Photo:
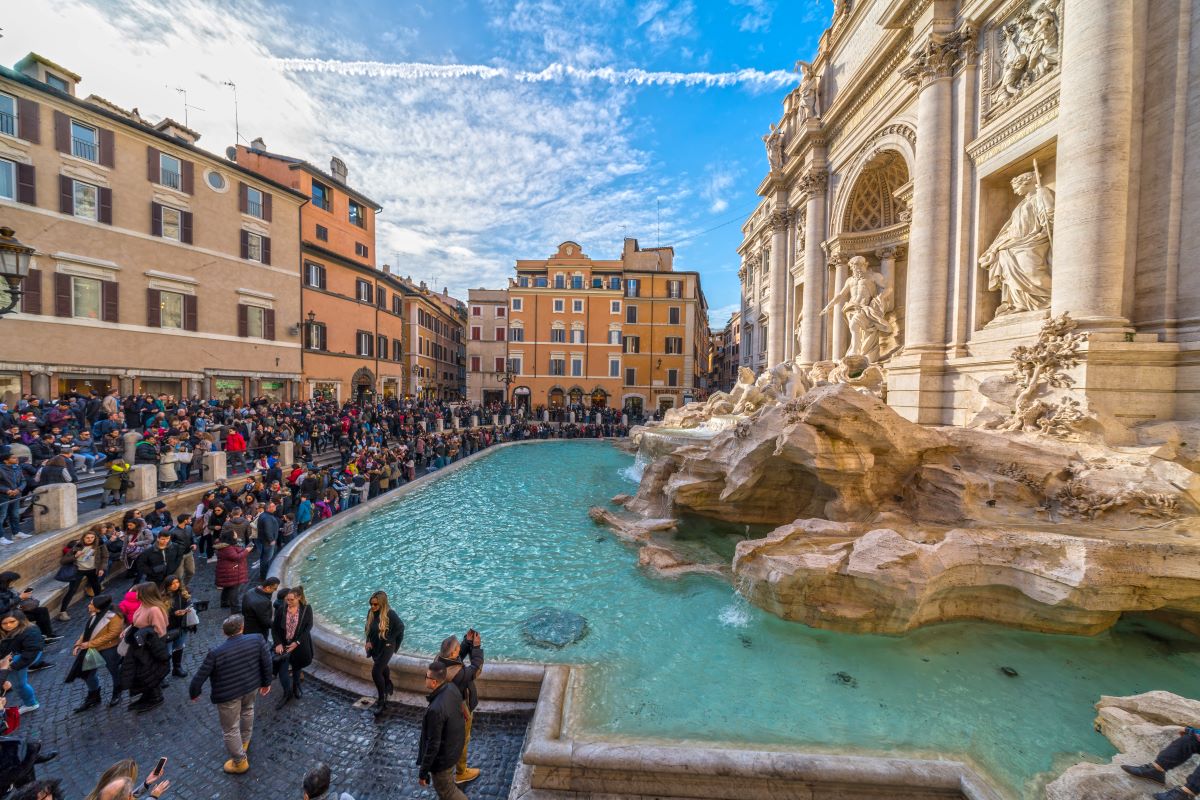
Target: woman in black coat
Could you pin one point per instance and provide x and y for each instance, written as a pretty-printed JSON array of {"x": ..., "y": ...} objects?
[
  {"x": 291, "y": 631},
  {"x": 384, "y": 634},
  {"x": 144, "y": 667}
]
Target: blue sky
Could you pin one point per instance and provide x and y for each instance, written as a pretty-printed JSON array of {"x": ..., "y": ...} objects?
[{"x": 474, "y": 171}]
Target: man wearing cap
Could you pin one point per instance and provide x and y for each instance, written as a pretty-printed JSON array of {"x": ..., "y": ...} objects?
[{"x": 159, "y": 519}]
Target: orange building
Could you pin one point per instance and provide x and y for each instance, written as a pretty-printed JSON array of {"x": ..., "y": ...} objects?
[
  {"x": 436, "y": 361},
  {"x": 353, "y": 312},
  {"x": 629, "y": 332}
]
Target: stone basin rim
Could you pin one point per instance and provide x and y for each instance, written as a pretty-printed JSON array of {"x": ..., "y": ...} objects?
[{"x": 554, "y": 761}]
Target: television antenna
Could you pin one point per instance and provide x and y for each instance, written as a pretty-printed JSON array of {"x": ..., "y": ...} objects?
[
  {"x": 237, "y": 131},
  {"x": 186, "y": 105}
]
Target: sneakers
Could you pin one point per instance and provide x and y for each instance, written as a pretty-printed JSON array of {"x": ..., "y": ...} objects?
[
  {"x": 24, "y": 535},
  {"x": 53, "y": 639},
  {"x": 29, "y": 709},
  {"x": 1173, "y": 794},
  {"x": 5, "y": 540},
  {"x": 212, "y": 560},
  {"x": 63, "y": 617},
  {"x": 41, "y": 665},
  {"x": 237, "y": 767},
  {"x": 1147, "y": 771},
  {"x": 467, "y": 775}
]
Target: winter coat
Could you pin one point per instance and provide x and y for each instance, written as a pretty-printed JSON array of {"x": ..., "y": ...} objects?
[
  {"x": 118, "y": 476},
  {"x": 443, "y": 732},
  {"x": 24, "y": 647},
  {"x": 462, "y": 674},
  {"x": 302, "y": 656},
  {"x": 395, "y": 634},
  {"x": 236, "y": 667},
  {"x": 106, "y": 634},
  {"x": 256, "y": 609},
  {"x": 147, "y": 661},
  {"x": 233, "y": 568},
  {"x": 155, "y": 564},
  {"x": 129, "y": 604}
]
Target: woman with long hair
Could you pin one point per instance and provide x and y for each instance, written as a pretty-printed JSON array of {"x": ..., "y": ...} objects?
[
  {"x": 179, "y": 602},
  {"x": 90, "y": 557},
  {"x": 147, "y": 658},
  {"x": 384, "y": 634},
  {"x": 128, "y": 768},
  {"x": 292, "y": 633},
  {"x": 21, "y": 644},
  {"x": 102, "y": 633}
]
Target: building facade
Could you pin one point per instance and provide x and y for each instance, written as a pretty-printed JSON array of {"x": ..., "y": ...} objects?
[
  {"x": 628, "y": 332},
  {"x": 728, "y": 357},
  {"x": 353, "y": 324},
  {"x": 487, "y": 346},
  {"x": 437, "y": 347},
  {"x": 951, "y": 173},
  {"x": 158, "y": 267}
]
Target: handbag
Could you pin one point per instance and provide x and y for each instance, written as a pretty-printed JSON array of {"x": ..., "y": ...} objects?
[
  {"x": 123, "y": 645},
  {"x": 92, "y": 659},
  {"x": 66, "y": 573},
  {"x": 191, "y": 619}
]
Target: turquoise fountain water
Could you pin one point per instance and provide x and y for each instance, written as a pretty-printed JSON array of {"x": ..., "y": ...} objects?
[{"x": 492, "y": 543}]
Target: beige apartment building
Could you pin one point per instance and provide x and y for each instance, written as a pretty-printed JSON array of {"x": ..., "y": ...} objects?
[
  {"x": 436, "y": 353},
  {"x": 487, "y": 346},
  {"x": 159, "y": 267}
]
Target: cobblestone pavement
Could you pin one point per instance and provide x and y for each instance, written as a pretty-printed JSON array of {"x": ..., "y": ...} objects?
[{"x": 371, "y": 760}]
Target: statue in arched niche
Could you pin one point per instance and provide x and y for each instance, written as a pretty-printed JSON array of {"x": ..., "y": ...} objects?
[{"x": 1018, "y": 262}]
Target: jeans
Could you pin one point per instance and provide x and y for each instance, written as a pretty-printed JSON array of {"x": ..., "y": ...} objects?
[
  {"x": 88, "y": 460},
  {"x": 289, "y": 675},
  {"x": 178, "y": 643},
  {"x": 113, "y": 662},
  {"x": 231, "y": 597},
  {"x": 266, "y": 554},
  {"x": 380, "y": 672},
  {"x": 10, "y": 514},
  {"x": 1172, "y": 756},
  {"x": 20, "y": 681},
  {"x": 443, "y": 784},
  {"x": 93, "y": 582},
  {"x": 238, "y": 457},
  {"x": 237, "y": 723}
]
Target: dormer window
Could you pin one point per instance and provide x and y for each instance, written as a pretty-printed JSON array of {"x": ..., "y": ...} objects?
[
  {"x": 85, "y": 141},
  {"x": 56, "y": 82}
]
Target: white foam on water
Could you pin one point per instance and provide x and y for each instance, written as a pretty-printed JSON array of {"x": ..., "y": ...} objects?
[{"x": 734, "y": 616}]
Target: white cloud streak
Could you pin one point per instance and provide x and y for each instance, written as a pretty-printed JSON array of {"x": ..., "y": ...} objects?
[{"x": 414, "y": 71}]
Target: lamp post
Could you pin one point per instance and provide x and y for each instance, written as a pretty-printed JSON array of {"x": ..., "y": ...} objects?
[
  {"x": 508, "y": 378},
  {"x": 14, "y": 268}
]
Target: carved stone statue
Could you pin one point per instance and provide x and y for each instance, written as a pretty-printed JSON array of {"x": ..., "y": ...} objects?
[
  {"x": 859, "y": 372},
  {"x": 810, "y": 90},
  {"x": 774, "y": 142},
  {"x": 818, "y": 373},
  {"x": 1018, "y": 260},
  {"x": 868, "y": 307},
  {"x": 1028, "y": 51}
]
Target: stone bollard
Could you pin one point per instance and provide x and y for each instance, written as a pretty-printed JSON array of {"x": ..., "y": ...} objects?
[
  {"x": 60, "y": 507},
  {"x": 571, "y": 416},
  {"x": 474, "y": 421},
  {"x": 507, "y": 419},
  {"x": 131, "y": 439},
  {"x": 441, "y": 425},
  {"x": 454, "y": 423},
  {"x": 20, "y": 451},
  {"x": 624, "y": 419},
  {"x": 145, "y": 482},
  {"x": 214, "y": 466},
  {"x": 495, "y": 420},
  {"x": 424, "y": 426},
  {"x": 545, "y": 416},
  {"x": 596, "y": 416},
  {"x": 287, "y": 453}
]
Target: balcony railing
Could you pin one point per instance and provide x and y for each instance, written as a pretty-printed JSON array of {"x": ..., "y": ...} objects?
[
  {"x": 171, "y": 178},
  {"x": 8, "y": 123},
  {"x": 82, "y": 148},
  {"x": 254, "y": 208}
]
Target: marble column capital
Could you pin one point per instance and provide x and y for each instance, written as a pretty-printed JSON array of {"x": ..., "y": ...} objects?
[
  {"x": 886, "y": 252},
  {"x": 779, "y": 220},
  {"x": 813, "y": 182},
  {"x": 939, "y": 55}
]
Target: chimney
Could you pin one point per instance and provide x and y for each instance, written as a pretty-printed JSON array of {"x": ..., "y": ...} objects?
[
  {"x": 337, "y": 168},
  {"x": 258, "y": 145}
]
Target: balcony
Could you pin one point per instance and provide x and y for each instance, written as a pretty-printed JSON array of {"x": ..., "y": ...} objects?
[
  {"x": 82, "y": 148},
  {"x": 254, "y": 208},
  {"x": 171, "y": 178}
]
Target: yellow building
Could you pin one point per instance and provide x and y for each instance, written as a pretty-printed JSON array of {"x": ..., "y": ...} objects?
[{"x": 436, "y": 352}]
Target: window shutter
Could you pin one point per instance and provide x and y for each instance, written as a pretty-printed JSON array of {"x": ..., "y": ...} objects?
[
  {"x": 105, "y": 209},
  {"x": 26, "y": 185},
  {"x": 243, "y": 321},
  {"x": 185, "y": 227},
  {"x": 245, "y": 244},
  {"x": 321, "y": 337},
  {"x": 66, "y": 194},
  {"x": 62, "y": 295},
  {"x": 321, "y": 277},
  {"x": 29, "y": 120},
  {"x": 380, "y": 297},
  {"x": 111, "y": 296},
  {"x": 269, "y": 324},
  {"x": 266, "y": 207},
  {"x": 31, "y": 293},
  {"x": 266, "y": 250},
  {"x": 153, "y": 165},
  {"x": 189, "y": 312},
  {"x": 154, "y": 308},
  {"x": 62, "y": 132},
  {"x": 155, "y": 219},
  {"x": 189, "y": 177},
  {"x": 106, "y": 147},
  {"x": 243, "y": 199}
]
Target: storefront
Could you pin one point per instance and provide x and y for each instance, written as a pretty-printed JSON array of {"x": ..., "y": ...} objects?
[
  {"x": 85, "y": 384},
  {"x": 228, "y": 389},
  {"x": 10, "y": 388},
  {"x": 276, "y": 390},
  {"x": 599, "y": 398},
  {"x": 520, "y": 397},
  {"x": 156, "y": 386}
]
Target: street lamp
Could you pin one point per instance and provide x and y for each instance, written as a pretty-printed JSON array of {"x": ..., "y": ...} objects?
[{"x": 14, "y": 268}]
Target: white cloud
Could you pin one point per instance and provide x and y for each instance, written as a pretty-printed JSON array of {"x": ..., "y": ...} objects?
[
  {"x": 718, "y": 181},
  {"x": 663, "y": 22},
  {"x": 758, "y": 15},
  {"x": 717, "y": 317}
]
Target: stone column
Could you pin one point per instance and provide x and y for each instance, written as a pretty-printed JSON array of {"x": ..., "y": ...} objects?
[
  {"x": 195, "y": 388},
  {"x": 840, "y": 334},
  {"x": 126, "y": 384},
  {"x": 40, "y": 384},
  {"x": 1095, "y": 147},
  {"x": 887, "y": 265},
  {"x": 780, "y": 326},
  {"x": 145, "y": 482},
  {"x": 495, "y": 420},
  {"x": 813, "y": 184},
  {"x": 474, "y": 421},
  {"x": 286, "y": 451},
  {"x": 441, "y": 425},
  {"x": 60, "y": 507},
  {"x": 214, "y": 466},
  {"x": 508, "y": 419},
  {"x": 130, "y": 440}
]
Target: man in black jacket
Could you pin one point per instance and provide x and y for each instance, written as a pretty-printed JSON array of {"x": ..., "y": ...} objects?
[
  {"x": 183, "y": 536},
  {"x": 268, "y": 538},
  {"x": 463, "y": 662},
  {"x": 257, "y": 608},
  {"x": 240, "y": 668},
  {"x": 443, "y": 734},
  {"x": 163, "y": 559}
]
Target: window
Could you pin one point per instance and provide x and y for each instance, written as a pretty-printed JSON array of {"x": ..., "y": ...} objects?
[
  {"x": 558, "y": 366},
  {"x": 559, "y": 304},
  {"x": 614, "y": 282},
  {"x": 170, "y": 171},
  {"x": 55, "y": 82},
  {"x": 86, "y": 298},
  {"x": 396, "y": 304},
  {"x": 316, "y": 336},
  {"x": 674, "y": 345},
  {"x": 87, "y": 201},
  {"x": 631, "y": 314},
  {"x": 673, "y": 315},
  {"x": 314, "y": 275},
  {"x": 558, "y": 334},
  {"x": 630, "y": 376},
  {"x": 597, "y": 283},
  {"x": 381, "y": 297},
  {"x": 383, "y": 346},
  {"x": 577, "y": 282},
  {"x": 397, "y": 353},
  {"x": 476, "y": 365},
  {"x": 500, "y": 311},
  {"x": 172, "y": 220},
  {"x": 322, "y": 233},
  {"x": 515, "y": 364},
  {"x": 364, "y": 342},
  {"x": 85, "y": 141},
  {"x": 539, "y": 282},
  {"x": 499, "y": 365},
  {"x": 360, "y": 250},
  {"x": 560, "y": 281},
  {"x": 615, "y": 307},
  {"x": 322, "y": 198},
  {"x": 357, "y": 215},
  {"x": 476, "y": 311},
  {"x": 672, "y": 377},
  {"x": 254, "y": 248},
  {"x": 614, "y": 336},
  {"x": 633, "y": 344},
  {"x": 363, "y": 291},
  {"x": 518, "y": 304},
  {"x": 215, "y": 180},
  {"x": 256, "y": 322},
  {"x": 576, "y": 306},
  {"x": 500, "y": 334},
  {"x": 254, "y": 202},
  {"x": 576, "y": 366},
  {"x": 633, "y": 287},
  {"x": 614, "y": 368},
  {"x": 476, "y": 333},
  {"x": 577, "y": 336},
  {"x": 8, "y": 115},
  {"x": 8, "y": 179},
  {"x": 170, "y": 310},
  {"x": 675, "y": 289},
  {"x": 516, "y": 334}
]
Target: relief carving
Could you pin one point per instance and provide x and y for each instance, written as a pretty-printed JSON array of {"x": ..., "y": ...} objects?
[{"x": 1029, "y": 50}]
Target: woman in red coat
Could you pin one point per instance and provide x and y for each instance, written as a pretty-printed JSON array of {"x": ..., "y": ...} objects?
[{"x": 233, "y": 573}]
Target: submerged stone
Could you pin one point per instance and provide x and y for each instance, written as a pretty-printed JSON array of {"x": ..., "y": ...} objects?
[
  {"x": 846, "y": 679},
  {"x": 1009, "y": 671},
  {"x": 554, "y": 627}
]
